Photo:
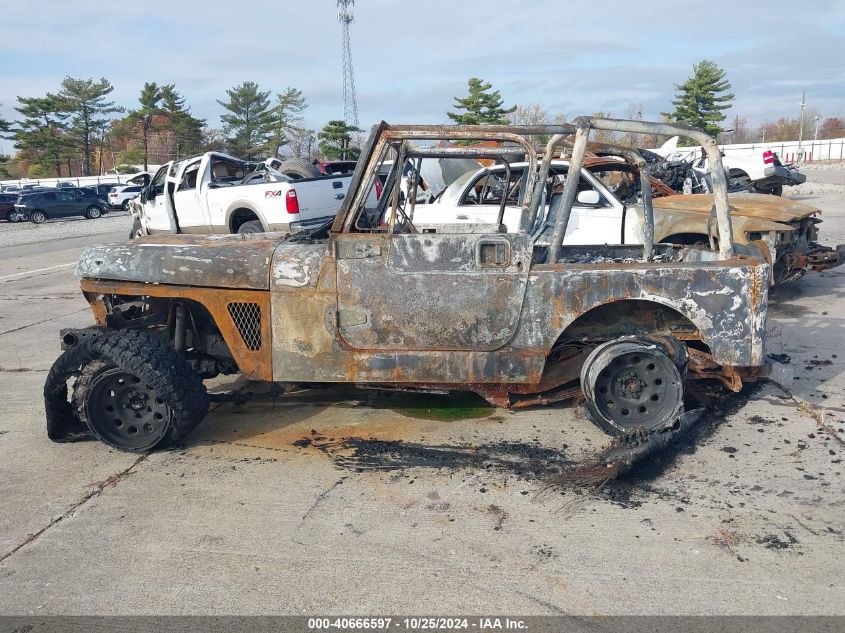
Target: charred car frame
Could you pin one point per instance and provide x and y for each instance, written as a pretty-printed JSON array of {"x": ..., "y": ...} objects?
[{"x": 376, "y": 301}]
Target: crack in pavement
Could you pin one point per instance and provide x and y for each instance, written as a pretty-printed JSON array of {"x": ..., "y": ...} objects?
[
  {"x": 98, "y": 488},
  {"x": 61, "y": 316}
]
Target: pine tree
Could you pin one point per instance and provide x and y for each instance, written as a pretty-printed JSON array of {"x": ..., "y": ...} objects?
[
  {"x": 288, "y": 111},
  {"x": 149, "y": 99},
  {"x": 41, "y": 135},
  {"x": 336, "y": 141},
  {"x": 702, "y": 99},
  {"x": 482, "y": 105},
  {"x": 85, "y": 100},
  {"x": 187, "y": 130},
  {"x": 251, "y": 120}
]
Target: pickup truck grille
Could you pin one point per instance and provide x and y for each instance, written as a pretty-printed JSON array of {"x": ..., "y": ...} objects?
[{"x": 247, "y": 319}]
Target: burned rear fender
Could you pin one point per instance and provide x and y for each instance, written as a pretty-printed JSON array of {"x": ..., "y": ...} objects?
[{"x": 725, "y": 301}]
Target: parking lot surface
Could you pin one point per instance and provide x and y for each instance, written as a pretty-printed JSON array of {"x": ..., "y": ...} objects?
[{"x": 344, "y": 501}]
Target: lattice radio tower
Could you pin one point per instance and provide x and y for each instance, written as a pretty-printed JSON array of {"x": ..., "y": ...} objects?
[{"x": 350, "y": 103}]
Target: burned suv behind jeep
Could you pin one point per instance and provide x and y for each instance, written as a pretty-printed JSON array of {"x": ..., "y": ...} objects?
[{"x": 381, "y": 301}]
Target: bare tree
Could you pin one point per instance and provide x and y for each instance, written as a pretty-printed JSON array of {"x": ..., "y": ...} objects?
[{"x": 529, "y": 114}]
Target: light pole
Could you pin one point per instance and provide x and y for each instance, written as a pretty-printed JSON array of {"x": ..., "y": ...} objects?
[
  {"x": 801, "y": 129},
  {"x": 816, "y": 134}
]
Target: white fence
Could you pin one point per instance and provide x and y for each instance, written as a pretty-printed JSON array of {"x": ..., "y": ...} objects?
[
  {"x": 788, "y": 151},
  {"x": 78, "y": 181}
]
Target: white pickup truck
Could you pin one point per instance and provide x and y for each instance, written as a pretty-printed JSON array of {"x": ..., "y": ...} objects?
[
  {"x": 755, "y": 170},
  {"x": 217, "y": 193}
]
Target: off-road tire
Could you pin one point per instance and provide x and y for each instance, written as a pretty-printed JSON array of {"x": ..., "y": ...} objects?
[
  {"x": 252, "y": 226},
  {"x": 159, "y": 367},
  {"x": 93, "y": 212},
  {"x": 38, "y": 217},
  {"x": 299, "y": 168}
]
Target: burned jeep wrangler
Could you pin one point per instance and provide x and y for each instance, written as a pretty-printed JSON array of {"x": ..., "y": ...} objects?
[{"x": 380, "y": 301}]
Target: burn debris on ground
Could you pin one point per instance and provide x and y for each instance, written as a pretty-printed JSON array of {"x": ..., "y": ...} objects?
[{"x": 517, "y": 458}]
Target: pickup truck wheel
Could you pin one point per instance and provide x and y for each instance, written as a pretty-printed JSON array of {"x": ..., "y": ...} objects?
[
  {"x": 299, "y": 168},
  {"x": 93, "y": 212},
  {"x": 38, "y": 217},
  {"x": 138, "y": 394},
  {"x": 777, "y": 190},
  {"x": 630, "y": 384},
  {"x": 253, "y": 226}
]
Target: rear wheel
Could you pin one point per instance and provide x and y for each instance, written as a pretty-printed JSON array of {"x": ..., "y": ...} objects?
[
  {"x": 93, "y": 212},
  {"x": 777, "y": 190},
  {"x": 12, "y": 216},
  {"x": 139, "y": 394},
  {"x": 252, "y": 226},
  {"x": 631, "y": 383},
  {"x": 38, "y": 217},
  {"x": 125, "y": 205}
]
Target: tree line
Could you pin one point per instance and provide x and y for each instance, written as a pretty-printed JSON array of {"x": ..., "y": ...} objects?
[
  {"x": 78, "y": 130},
  {"x": 701, "y": 102},
  {"x": 75, "y": 130}
]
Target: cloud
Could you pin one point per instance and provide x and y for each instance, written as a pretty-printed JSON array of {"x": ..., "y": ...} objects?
[{"x": 411, "y": 58}]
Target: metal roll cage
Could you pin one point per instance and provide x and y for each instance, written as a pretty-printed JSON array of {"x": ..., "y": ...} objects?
[{"x": 384, "y": 136}]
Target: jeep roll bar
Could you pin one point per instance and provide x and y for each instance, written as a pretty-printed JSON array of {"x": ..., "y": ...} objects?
[{"x": 384, "y": 136}]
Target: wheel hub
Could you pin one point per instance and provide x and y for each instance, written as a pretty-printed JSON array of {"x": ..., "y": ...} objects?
[
  {"x": 637, "y": 389},
  {"x": 125, "y": 411}
]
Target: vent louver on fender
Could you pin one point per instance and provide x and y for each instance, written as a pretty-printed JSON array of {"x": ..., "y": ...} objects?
[{"x": 247, "y": 318}]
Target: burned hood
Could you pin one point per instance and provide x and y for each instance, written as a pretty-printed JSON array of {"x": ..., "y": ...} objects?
[
  {"x": 213, "y": 261},
  {"x": 750, "y": 205}
]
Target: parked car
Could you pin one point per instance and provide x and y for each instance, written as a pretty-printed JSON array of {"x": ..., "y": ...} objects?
[
  {"x": 757, "y": 170},
  {"x": 40, "y": 206},
  {"x": 608, "y": 209},
  {"x": 7, "y": 207},
  {"x": 104, "y": 188},
  {"x": 119, "y": 197},
  {"x": 217, "y": 193}
]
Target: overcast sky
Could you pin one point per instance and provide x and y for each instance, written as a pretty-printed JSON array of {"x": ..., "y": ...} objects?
[{"x": 575, "y": 57}]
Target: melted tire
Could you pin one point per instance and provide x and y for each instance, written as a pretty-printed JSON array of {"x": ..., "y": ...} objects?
[{"x": 159, "y": 370}]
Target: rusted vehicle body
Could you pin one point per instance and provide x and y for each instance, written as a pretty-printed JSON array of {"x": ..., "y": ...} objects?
[
  {"x": 375, "y": 301},
  {"x": 783, "y": 231}
]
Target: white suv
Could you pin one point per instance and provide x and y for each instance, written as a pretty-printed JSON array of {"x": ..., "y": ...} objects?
[{"x": 119, "y": 197}]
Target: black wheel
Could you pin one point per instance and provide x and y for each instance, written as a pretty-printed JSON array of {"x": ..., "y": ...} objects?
[
  {"x": 38, "y": 217},
  {"x": 125, "y": 205},
  {"x": 299, "y": 168},
  {"x": 11, "y": 216},
  {"x": 93, "y": 212},
  {"x": 740, "y": 181},
  {"x": 139, "y": 394},
  {"x": 631, "y": 383},
  {"x": 777, "y": 190},
  {"x": 137, "y": 230},
  {"x": 253, "y": 226}
]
